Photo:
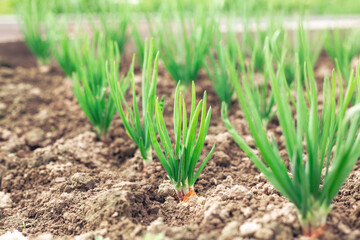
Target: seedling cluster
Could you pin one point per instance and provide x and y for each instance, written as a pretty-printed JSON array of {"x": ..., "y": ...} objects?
[
  {"x": 180, "y": 161},
  {"x": 271, "y": 74},
  {"x": 33, "y": 18},
  {"x": 138, "y": 129}
]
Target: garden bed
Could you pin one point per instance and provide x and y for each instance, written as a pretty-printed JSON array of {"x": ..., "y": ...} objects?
[{"x": 57, "y": 178}]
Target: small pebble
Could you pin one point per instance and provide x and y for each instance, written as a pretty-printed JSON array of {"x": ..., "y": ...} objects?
[
  {"x": 34, "y": 137},
  {"x": 82, "y": 180}
]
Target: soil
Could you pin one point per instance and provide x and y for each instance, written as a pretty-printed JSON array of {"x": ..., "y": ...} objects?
[{"x": 58, "y": 181}]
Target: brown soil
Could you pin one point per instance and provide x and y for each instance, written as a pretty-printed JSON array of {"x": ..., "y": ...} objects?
[{"x": 58, "y": 181}]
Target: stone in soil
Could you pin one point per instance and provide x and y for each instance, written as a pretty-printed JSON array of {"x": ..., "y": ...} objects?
[
  {"x": 5, "y": 200},
  {"x": 82, "y": 181},
  {"x": 34, "y": 137}
]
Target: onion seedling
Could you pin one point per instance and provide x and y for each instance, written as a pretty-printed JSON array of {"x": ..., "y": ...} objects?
[
  {"x": 283, "y": 52},
  {"x": 63, "y": 48},
  {"x": 90, "y": 84},
  {"x": 322, "y": 145},
  {"x": 181, "y": 159},
  {"x": 183, "y": 49},
  {"x": 131, "y": 119},
  {"x": 217, "y": 70},
  {"x": 260, "y": 93},
  {"x": 343, "y": 49},
  {"x": 114, "y": 21},
  {"x": 139, "y": 42},
  {"x": 254, "y": 43},
  {"x": 304, "y": 45},
  {"x": 33, "y": 17},
  {"x": 301, "y": 50}
]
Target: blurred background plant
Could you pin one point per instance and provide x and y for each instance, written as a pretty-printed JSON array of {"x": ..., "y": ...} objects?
[
  {"x": 33, "y": 18},
  {"x": 184, "y": 42},
  {"x": 90, "y": 83},
  {"x": 286, "y": 6},
  {"x": 342, "y": 47},
  {"x": 114, "y": 21}
]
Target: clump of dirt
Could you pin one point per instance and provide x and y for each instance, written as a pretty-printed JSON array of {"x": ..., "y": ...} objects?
[{"x": 58, "y": 181}]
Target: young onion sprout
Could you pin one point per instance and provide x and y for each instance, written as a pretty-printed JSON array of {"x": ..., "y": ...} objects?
[
  {"x": 217, "y": 70},
  {"x": 137, "y": 127},
  {"x": 342, "y": 48},
  {"x": 33, "y": 18},
  {"x": 115, "y": 19},
  {"x": 259, "y": 91},
  {"x": 322, "y": 145},
  {"x": 90, "y": 84},
  {"x": 183, "y": 49},
  {"x": 64, "y": 48},
  {"x": 181, "y": 159}
]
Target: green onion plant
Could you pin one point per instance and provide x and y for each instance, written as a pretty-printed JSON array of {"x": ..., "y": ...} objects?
[
  {"x": 283, "y": 52},
  {"x": 115, "y": 20},
  {"x": 184, "y": 45},
  {"x": 32, "y": 16},
  {"x": 180, "y": 159},
  {"x": 63, "y": 48},
  {"x": 90, "y": 83},
  {"x": 290, "y": 52},
  {"x": 259, "y": 90},
  {"x": 307, "y": 49},
  {"x": 136, "y": 125},
  {"x": 217, "y": 69},
  {"x": 322, "y": 145},
  {"x": 253, "y": 43},
  {"x": 140, "y": 44},
  {"x": 343, "y": 47}
]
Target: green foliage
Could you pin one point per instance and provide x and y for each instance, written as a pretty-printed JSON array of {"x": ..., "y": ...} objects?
[
  {"x": 131, "y": 119},
  {"x": 184, "y": 45},
  {"x": 258, "y": 7},
  {"x": 181, "y": 158},
  {"x": 289, "y": 7},
  {"x": 259, "y": 90},
  {"x": 302, "y": 49},
  {"x": 217, "y": 70},
  {"x": 343, "y": 47},
  {"x": 33, "y": 16},
  {"x": 7, "y": 6},
  {"x": 322, "y": 145},
  {"x": 140, "y": 44},
  {"x": 90, "y": 84},
  {"x": 307, "y": 49},
  {"x": 114, "y": 21},
  {"x": 82, "y": 6},
  {"x": 253, "y": 43},
  {"x": 286, "y": 52},
  {"x": 283, "y": 53},
  {"x": 63, "y": 48}
]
